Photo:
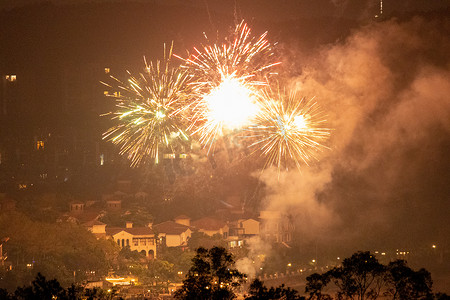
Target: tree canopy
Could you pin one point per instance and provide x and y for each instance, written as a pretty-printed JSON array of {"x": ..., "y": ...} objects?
[
  {"x": 211, "y": 276},
  {"x": 361, "y": 277}
]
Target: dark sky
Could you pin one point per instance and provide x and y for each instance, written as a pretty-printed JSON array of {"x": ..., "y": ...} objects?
[
  {"x": 385, "y": 85},
  {"x": 280, "y": 9}
]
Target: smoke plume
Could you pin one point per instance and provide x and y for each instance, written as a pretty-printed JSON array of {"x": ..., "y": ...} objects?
[{"x": 386, "y": 91}]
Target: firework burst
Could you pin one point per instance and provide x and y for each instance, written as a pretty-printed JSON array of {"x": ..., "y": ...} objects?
[
  {"x": 288, "y": 129},
  {"x": 148, "y": 111},
  {"x": 227, "y": 79}
]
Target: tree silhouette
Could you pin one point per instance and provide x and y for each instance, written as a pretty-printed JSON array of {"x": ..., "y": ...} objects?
[
  {"x": 211, "y": 276},
  {"x": 362, "y": 277},
  {"x": 315, "y": 285},
  {"x": 42, "y": 288},
  {"x": 258, "y": 291},
  {"x": 407, "y": 284}
]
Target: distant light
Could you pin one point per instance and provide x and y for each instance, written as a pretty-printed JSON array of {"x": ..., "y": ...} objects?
[
  {"x": 11, "y": 78},
  {"x": 107, "y": 70},
  {"x": 289, "y": 264},
  {"x": 313, "y": 260},
  {"x": 338, "y": 258},
  {"x": 434, "y": 246},
  {"x": 383, "y": 253}
]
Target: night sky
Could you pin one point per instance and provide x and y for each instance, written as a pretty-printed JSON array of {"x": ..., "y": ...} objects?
[{"x": 384, "y": 83}]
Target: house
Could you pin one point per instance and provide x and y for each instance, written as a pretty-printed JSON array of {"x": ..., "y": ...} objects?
[
  {"x": 211, "y": 226},
  {"x": 244, "y": 227},
  {"x": 276, "y": 226},
  {"x": 241, "y": 230},
  {"x": 183, "y": 219},
  {"x": 97, "y": 228},
  {"x": 141, "y": 239},
  {"x": 113, "y": 204},
  {"x": 76, "y": 207},
  {"x": 81, "y": 212},
  {"x": 250, "y": 227},
  {"x": 174, "y": 234}
]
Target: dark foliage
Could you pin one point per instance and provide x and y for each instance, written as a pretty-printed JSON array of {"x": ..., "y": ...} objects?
[
  {"x": 212, "y": 276},
  {"x": 405, "y": 283},
  {"x": 258, "y": 291},
  {"x": 362, "y": 277}
]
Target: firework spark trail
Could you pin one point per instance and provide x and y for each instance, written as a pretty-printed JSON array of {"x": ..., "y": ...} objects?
[
  {"x": 227, "y": 76},
  {"x": 288, "y": 128},
  {"x": 148, "y": 111}
]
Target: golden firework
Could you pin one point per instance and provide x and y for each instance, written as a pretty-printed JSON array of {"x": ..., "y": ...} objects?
[
  {"x": 228, "y": 76},
  {"x": 288, "y": 129},
  {"x": 148, "y": 111}
]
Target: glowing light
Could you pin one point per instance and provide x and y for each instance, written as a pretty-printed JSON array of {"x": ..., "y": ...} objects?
[
  {"x": 228, "y": 107},
  {"x": 148, "y": 111},
  {"x": 227, "y": 77},
  {"x": 288, "y": 129},
  {"x": 231, "y": 104}
]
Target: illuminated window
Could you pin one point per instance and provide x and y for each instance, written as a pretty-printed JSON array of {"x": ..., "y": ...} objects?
[
  {"x": 183, "y": 155},
  {"x": 169, "y": 155},
  {"x": 39, "y": 145},
  {"x": 107, "y": 70},
  {"x": 102, "y": 159},
  {"x": 106, "y": 93},
  {"x": 11, "y": 78}
]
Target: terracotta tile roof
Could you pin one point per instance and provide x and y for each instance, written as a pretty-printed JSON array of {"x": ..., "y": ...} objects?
[
  {"x": 170, "y": 227},
  {"x": 87, "y": 215},
  {"x": 180, "y": 217},
  {"x": 110, "y": 231},
  {"x": 92, "y": 223},
  {"x": 208, "y": 223},
  {"x": 140, "y": 231},
  {"x": 133, "y": 231}
]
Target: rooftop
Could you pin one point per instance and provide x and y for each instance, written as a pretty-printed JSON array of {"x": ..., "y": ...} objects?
[
  {"x": 170, "y": 227},
  {"x": 208, "y": 223}
]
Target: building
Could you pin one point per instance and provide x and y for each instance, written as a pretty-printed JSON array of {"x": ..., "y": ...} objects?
[
  {"x": 241, "y": 230},
  {"x": 183, "y": 219},
  {"x": 245, "y": 227},
  {"x": 173, "y": 234},
  {"x": 276, "y": 226},
  {"x": 141, "y": 239},
  {"x": 97, "y": 228},
  {"x": 211, "y": 226}
]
